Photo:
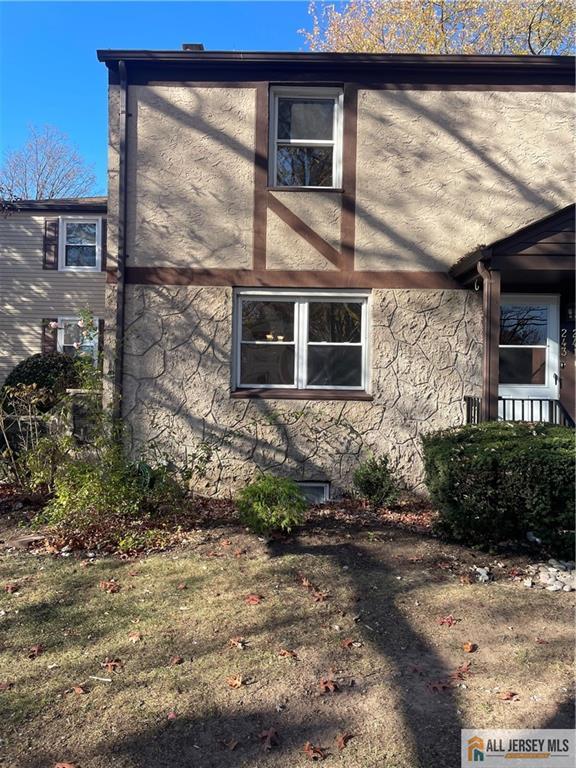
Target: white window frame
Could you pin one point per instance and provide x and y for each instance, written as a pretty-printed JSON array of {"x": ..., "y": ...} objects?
[
  {"x": 63, "y": 221},
  {"x": 550, "y": 389},
  {"x": 324, "y": 485},
  {"x": 60, "y": 341},
  {"x": 330, "y": 94},
  {"x": 301, "y": 300}
]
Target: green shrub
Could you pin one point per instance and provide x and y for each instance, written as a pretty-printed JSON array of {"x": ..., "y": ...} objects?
[
  {"x": 105, "y": 499},
  {"x": 497, "y": 481},
  {"x": 271, "y": 504},
  {"x": 53, "y": 373},
  {"x": 373, "y": 481}
]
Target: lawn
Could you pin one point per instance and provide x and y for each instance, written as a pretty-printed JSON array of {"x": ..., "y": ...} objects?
[{"x": 138, "y": 663}]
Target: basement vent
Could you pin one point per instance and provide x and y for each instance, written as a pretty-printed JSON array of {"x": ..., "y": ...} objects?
[{"x": 315, "y": 493}]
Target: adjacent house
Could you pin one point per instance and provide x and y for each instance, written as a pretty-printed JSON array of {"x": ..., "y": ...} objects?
[
  {"x": 315, "y": 256},
  {"x": 52, "y": 265}
]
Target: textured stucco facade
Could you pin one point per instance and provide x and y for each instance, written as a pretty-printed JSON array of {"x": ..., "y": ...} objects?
[
  {"x": 425, "y": 356},
  {"x": 442, "y": 172}
]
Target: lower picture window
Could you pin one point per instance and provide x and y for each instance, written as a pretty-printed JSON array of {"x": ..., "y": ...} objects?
[
  {"x": 71, "y": 339},
  {"x": 317, "y": 341}
]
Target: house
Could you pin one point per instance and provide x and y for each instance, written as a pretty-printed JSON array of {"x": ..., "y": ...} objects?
[
  {"x": 52, "y": 265},
  {"x": 298, "y": 271}
]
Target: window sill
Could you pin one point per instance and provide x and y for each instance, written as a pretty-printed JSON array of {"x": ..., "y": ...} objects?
[
  {"x": 274, "y": 393},
  {"x": 305, "y": 189}
]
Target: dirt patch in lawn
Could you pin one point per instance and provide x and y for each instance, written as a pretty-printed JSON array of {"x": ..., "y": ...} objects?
[{"x": 334, "y": 635}]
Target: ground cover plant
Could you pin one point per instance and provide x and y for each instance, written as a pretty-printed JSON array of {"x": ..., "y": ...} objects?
[{"x": 357, "y": 647}]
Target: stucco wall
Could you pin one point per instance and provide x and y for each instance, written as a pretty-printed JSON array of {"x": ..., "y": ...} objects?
[
  {"x": 441, "y": 172},
  {"x": 191, "y": 176},
  {"x": 425, "y": 358}
]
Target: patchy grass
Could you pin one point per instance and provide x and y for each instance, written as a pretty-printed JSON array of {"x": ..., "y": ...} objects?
[{"x": 399, "y": 692}]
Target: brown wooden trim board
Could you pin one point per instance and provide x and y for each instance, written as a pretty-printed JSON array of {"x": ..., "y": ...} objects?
[
  {"x": 278, "y": 393},
  {"x": 348, "y": 213},
  {"x": 280, "y": 278},
  {"x": 260, "y": 177},
  {"x": 306, "y": 232}
]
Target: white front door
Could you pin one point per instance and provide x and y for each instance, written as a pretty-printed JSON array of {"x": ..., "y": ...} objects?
[{"x": 529, "y": 364}]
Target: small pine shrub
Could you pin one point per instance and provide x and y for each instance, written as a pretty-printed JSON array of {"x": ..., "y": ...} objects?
[
  {"x": 271, "y": 504},
  {"x": 497, "y": 481},
  {"x": 373, "y": 481}
]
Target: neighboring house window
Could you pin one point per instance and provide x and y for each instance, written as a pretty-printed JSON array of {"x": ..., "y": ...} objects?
[
  {"x": 306, "y": 137},
  {"x": 71, "y": 341},
  {"x": 315, "y": 341},
  {"x": 80, "y": 244}
]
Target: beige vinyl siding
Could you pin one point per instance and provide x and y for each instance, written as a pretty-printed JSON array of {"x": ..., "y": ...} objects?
[{"x": 28, "y": 293}]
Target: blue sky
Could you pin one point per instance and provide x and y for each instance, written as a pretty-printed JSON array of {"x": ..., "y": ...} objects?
[{"x": 48, "y": 68}]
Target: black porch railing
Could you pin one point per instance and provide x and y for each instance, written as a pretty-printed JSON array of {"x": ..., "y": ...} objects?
[{"x": 541, "y": 410}]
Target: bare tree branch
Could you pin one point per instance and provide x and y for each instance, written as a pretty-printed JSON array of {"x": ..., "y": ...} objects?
[{"x": 46, "y": 167}]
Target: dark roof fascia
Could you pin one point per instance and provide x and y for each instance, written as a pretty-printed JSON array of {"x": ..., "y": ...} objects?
[
  {"x": 464, "y": 270},
  {"x": 91, "y": 205},
  {"x": 369, "y": 68}
]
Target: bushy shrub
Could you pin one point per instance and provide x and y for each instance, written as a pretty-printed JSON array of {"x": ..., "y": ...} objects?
[
  {"x": 373, "y": 481},
  {"x": 53, "y": 373},
  {"x": 106, "y": 499},
  {"x": 271, "y": 504},
  {"x": 497, "y": 481}
]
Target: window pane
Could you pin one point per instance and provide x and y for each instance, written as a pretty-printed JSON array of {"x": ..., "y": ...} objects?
[
  {"x": 267, "y": 364},
  {"x": 304, "y": 167},
  {"x": 80, "y": 255},
  {"x": 306, "y": 119},
  {"x": 335, "y": 366},
  {"x": 523, "y": 324},
  {"x": 336, "y": 322},
  {"x": 73, "y": 335},
  {"x": 81, "y": 233},
  {"x": 523, "y": 366},
  {"x": 267, "y": 321}
]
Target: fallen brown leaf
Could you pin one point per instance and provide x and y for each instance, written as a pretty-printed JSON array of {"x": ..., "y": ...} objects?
[
  {"x": 286, "y": 654},
  {"x": 269, "y": 739},
  {"x": 328, "y": 684},
  {"x": 461, "y": 671},
  {"x": 6, "y": 685},
  {"x": 172, "y": 715},
  {"x": 237, "y": 642},
  {"x": 175, "y": 660},
  {"x": 230, "y": 745},
  {"x": 11, "y": 588},
  {"x": 349, "y": 643},
  {"x": 235, "y": 681},
  {"x": 182, "y": 586},
  {"x": 111, "y": 665},
  {"x": 541, "y": 641},
  {"x": 438, "y": 686},
  {"x": 469, "y": 647},
  {"x": 65, "y": 765},
  {"x": 111, "y": 586},
  {"x": 343, "y": 739},
  {"x": 35, "y": 650},
  {"x": 448, "y": 621},
  {"x": 508, "y": 696},
  {"x": 253, "y": 599},
  {"x": 239, "y": 552},
  {"x": 79, "y": 690},
  {"x": 314, "y": 753},
  {"x": 135, "y": 636}
]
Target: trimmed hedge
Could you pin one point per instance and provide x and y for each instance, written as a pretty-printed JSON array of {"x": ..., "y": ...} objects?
[
  {"x": 54, "y": 372},
  {"x": 497, "y": 481}
]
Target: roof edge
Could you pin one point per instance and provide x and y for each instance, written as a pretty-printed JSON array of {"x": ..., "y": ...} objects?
[{"x": 97, "y": 204}]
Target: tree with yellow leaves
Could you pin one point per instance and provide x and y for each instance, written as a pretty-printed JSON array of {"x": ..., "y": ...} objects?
[{"x": 506, "y": 27}]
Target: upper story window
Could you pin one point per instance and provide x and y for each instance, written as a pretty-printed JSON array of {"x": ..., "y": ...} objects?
[
  {"x": 301, "y": 341},
  {"x": 80, "y": 244},
  {"x": 306, "y": 137}
]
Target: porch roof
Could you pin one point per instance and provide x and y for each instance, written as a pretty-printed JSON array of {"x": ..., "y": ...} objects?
[{"x": 542, "y": 252}]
